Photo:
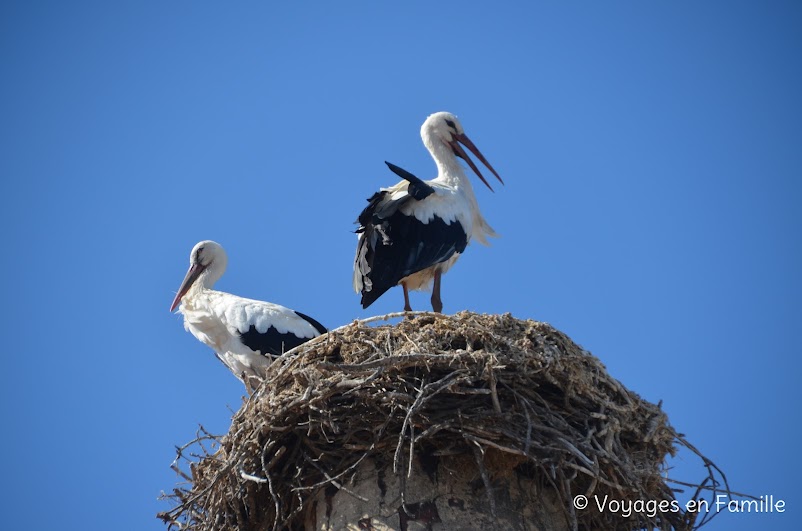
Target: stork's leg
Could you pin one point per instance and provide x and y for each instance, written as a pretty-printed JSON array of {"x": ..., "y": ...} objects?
[
  {"x": 407, "y": 307},
  {"x": 437, "y": 304}
]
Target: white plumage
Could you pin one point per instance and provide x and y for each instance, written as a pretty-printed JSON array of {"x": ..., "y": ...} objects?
[
  {"x": 413, "y": 232},
  {"x": 244, "y": 333}
]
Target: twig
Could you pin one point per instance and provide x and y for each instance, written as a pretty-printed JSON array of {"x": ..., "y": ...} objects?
[
  {"x": 478, "y": 454},
  {"x": 493, "y": 393},
  {"x": 251, "y": 477},
  {"x": 479, "y": 440},
  {"x": 332, "y": 480}
]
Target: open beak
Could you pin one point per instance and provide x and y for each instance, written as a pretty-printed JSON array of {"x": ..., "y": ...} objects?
[
  {"x": 192, "y": 275},
  {"x": 464, "y": 140}
]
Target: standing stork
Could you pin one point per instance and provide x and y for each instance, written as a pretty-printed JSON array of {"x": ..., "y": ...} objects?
[
  {"x": 413, "y": 232},
  {"x": 243, "y": 333}
]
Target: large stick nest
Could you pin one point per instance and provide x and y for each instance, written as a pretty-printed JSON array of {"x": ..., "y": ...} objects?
[{"x": 450, "y": 384}]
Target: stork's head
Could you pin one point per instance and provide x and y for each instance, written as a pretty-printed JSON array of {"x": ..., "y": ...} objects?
[
  {"x": 444, "y": 128},
  {"x": 207, "y": 263}
]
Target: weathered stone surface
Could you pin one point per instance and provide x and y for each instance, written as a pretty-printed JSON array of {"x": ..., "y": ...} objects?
[{"x": 451, "y": 497}]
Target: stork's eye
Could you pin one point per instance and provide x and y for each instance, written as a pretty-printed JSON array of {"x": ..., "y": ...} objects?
[{"x": 451, "y": 125}]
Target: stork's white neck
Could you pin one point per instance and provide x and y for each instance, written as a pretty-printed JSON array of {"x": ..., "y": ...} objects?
[
  {"x": 207, "y": 279},
  {"x": 449, "y": 170},
  {"x": 198, "y": 294},
  {"x": 212, "y": 274},
  {"x": 198, "y": 288}
]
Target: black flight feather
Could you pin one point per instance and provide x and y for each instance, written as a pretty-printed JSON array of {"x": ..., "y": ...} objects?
[{"x": 417, "y": 188}]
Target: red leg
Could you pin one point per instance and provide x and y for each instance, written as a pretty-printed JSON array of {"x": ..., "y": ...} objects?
[
  {"x": 407, "y": 307},
  {"x": 437, "y": 304}
]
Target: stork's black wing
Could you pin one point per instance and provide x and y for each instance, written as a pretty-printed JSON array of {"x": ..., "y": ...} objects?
[
  {"x": 275, "y": 343},
  {"x": 396, "y": 245}
]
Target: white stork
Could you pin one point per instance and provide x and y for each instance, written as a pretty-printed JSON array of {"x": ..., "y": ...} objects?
[
  {"x": 413, "y": 232},
  {"x": 244, "y": 333}
]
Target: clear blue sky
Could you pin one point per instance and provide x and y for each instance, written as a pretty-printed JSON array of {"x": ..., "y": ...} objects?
[{"x": 652, "y": 153}]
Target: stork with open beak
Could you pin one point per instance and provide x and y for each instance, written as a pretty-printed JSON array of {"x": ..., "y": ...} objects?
[
  {"x": 245, "y": 334},
  {"x": 413, "y": 232}
]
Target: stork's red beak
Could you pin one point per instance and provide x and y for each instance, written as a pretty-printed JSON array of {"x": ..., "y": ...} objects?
[
  {"x": 455, "y": 145},
  {"x": 192, "y": 275}
]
